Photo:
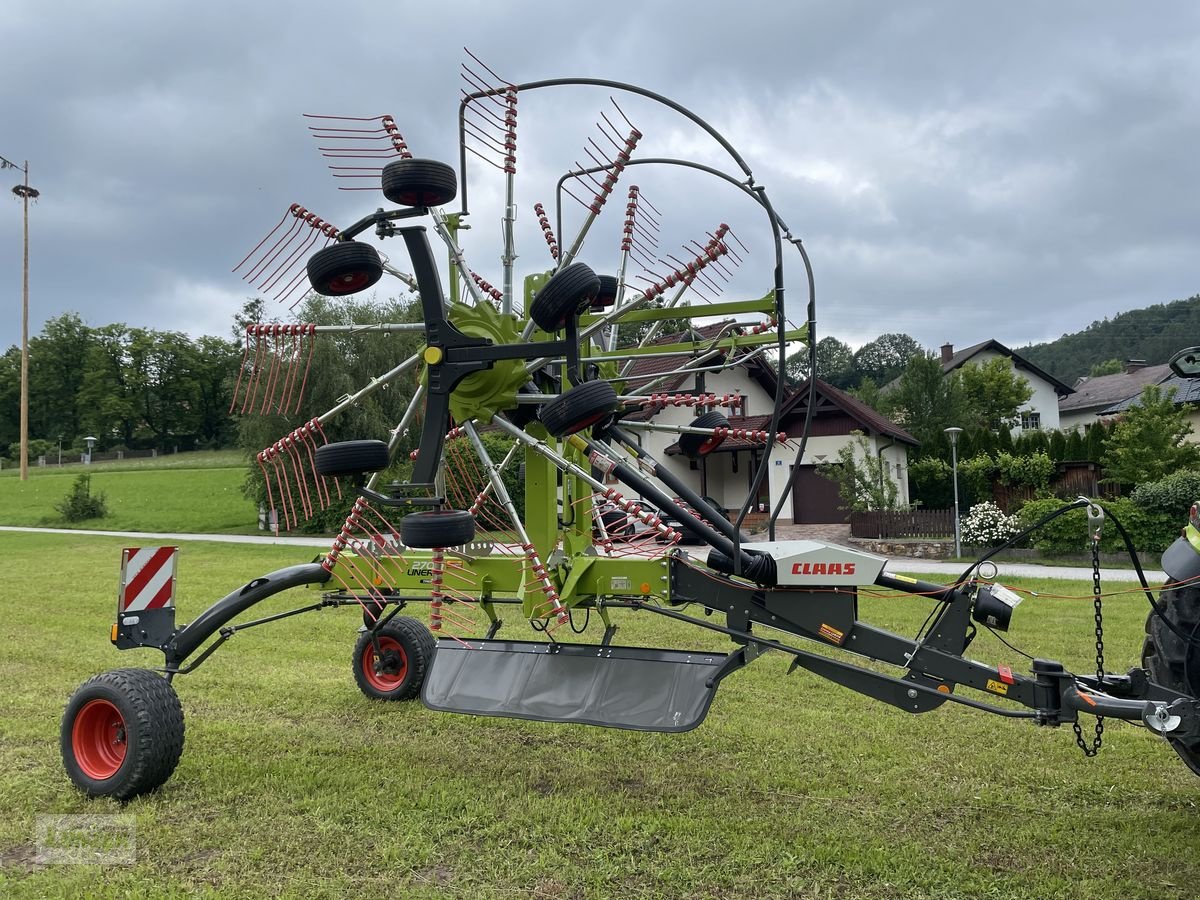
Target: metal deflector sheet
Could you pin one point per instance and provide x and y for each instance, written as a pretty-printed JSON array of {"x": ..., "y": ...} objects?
[{"x": 619, "y": 687}]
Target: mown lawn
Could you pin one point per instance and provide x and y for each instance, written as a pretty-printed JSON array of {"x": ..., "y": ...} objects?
[
  {"x": 293, "y": 784},
  {"x": 189, "y": 493}
]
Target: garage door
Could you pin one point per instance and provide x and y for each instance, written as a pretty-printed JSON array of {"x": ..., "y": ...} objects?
[{"x": 815, "y": 498}]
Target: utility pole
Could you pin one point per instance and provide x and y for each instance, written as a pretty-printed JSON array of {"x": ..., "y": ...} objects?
[{"x": 25, "y": 193}]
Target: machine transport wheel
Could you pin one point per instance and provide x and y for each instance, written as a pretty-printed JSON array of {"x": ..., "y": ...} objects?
[
  {"x": 1172, "y": 661},
  {"x": 351, "y": 458},
  {"x": 122, "y": 734},
  {"x": 437, "y": 528},
  {"x": 397, "y": 671},
  {"x": 568, "y": 292},
  {"x": 419, "y": 182},
  {"x": 344, "y": 268},
  {"x": 583, "y": 405},
  {"x": 607, "y": 295},
  {"x": 697, "y": 445}
]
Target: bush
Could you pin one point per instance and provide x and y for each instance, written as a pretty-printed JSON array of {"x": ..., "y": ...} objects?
[
  {"x": 1150, "y": 531},
  {"x": 929, "y": 482},
  {"x": 1032, "y": 471},
  {"x": 80, "y": 504},
  {"x": 1173, "y": 495},
  {"x": 986, "y": 525}
]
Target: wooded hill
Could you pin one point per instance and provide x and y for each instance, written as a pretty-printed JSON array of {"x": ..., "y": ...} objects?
[{"x": 1152, "y": 334}]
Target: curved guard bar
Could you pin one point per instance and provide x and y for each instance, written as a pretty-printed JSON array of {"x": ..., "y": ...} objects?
[{"x": 209, "y": 621}]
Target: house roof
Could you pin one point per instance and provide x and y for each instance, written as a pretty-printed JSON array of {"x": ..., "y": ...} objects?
[
  {"x": 1187, "y": 390},
  {"x": 963, "y": 356},
  {"x": 828, "y": 395},
  {"x": 730, "y": 444},
  {"x": 646, "y": 368},
  {"x": 1105, "y": 390}
]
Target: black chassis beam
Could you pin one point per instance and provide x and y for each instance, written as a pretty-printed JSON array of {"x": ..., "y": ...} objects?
[{"x": 936, "y": 665}]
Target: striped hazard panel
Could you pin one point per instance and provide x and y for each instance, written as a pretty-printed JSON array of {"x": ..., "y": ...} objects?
[{"x": 147, "y": 578}]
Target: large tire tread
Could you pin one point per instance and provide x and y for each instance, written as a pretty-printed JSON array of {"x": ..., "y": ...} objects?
[
  {"x": 154, "y": 732},
  {"x": 1166, "y": 655},
  {"x": 418, "y": 645}
]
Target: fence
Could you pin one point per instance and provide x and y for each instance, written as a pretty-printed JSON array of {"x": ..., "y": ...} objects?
[{"x": 887, "y": 524}]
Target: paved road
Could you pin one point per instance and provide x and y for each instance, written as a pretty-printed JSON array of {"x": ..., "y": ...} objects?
[{"x": 898, "y": 564}]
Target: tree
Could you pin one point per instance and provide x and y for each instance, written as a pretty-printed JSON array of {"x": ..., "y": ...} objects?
[
  {"x": 883, "y": 358},
  {"x": 835, "y": 363},
  {"x": 1108, "y": 367},
  {"x": 1148, "y": 442},
  {"x": 57, "y": 358},
  {"x": 924, "y": 400},
  {"x": 994, "y": 392},
  {"x": 859, "y": 472}
]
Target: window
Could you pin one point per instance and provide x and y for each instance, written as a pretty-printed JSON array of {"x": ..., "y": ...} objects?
[{"x": 1031, "y": 421}]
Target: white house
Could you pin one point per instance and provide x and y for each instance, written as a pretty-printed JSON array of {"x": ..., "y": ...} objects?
[
  {"x": 727, "y": 473},
  {"x": 1041, "y": 410},
  {"x": 1094, "y": 396}
]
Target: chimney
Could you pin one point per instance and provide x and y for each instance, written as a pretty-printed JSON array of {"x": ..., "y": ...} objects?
[
  {"x": 1132, "y": 365},
  {"x": 947, "y": 353}
]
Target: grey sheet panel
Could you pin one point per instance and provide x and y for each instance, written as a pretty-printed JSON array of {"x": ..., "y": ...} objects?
[{"x": 619, "y": 687}]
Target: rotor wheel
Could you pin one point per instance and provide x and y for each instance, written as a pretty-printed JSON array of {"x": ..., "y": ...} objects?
[
  {"x": 568, "y": 292},
  {"x": 344, "y": 268},
  {"x": 435, "y": 528},
  {"x": 1172, "y": 661},
  {"x": 419, "y": 182},
  {"x": 696, "y": 445},
  {"x": 351, "y": 458},
  {"x": 394, "y": 665},
  {"x": 582, "y": 406},
  {"x": 122, "y": 734}
]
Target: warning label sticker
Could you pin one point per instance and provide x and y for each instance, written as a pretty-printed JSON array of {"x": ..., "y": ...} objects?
[{"x": 831, "y": 634}]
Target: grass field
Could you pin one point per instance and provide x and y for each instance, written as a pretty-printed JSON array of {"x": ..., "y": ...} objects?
[
  {"x": 292, "y": 784},
  {"x": 188, "y": 492}
]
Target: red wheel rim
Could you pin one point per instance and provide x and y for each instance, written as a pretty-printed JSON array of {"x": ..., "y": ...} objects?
[
  {"x": 384, "y": 682},
  {"x": 710, "y": 445},
  {"x": 350, "y": 283},
  {"x": 98, "y": 739}
]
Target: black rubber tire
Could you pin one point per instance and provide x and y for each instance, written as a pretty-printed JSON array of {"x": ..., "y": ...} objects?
[
  {"x": 344, "y": 268},
  {"x": 716, "y": 507},
  {"x": 607, "y": 295},
  {"x": 149, "y": 728},
  {"x": 1169, "y": 658},
  {"x": 407, "y": 651},
  {"x": 434, "y": 528},
  {"x": 351, "y": 458},
  {"x": 583, "y": 405},
  {"x": 617, "y": 524},
  {"x": 419, "y": 182},
  {"x": 568, "y": 292},
  {"x": 696, "y": 445}
]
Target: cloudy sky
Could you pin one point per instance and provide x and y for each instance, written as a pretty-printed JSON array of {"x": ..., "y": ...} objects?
[{"x": 957, "y": 171}]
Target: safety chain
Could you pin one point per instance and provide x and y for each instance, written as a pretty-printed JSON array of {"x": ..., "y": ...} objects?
[{"x": 1098, "y": 604}]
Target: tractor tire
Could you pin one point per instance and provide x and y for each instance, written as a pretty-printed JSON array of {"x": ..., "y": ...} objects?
[
  {"x": 351, "y": 458},
  {"x": 696, "y": 445},
  {"x": 436, "y": 528},
  {"x": 585, "y": 404},
  {"x": 607, "y": 295},
  {"x": 397, "y": 672},
  {"x": 617, "y": 524},
  {"x": 1173, "y": 662},
  {"x": 419, "y": 182},
  {"x": 568, "y": 292},
  {"x": 344, "y": 268},
  {"x": 122, "y": 734}
]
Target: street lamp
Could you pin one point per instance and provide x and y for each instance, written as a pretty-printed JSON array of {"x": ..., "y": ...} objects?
[
  {"x": 953, "y": 434},
  {"x": 26, "y": 193},
  {"x": 91, "y": 442}
]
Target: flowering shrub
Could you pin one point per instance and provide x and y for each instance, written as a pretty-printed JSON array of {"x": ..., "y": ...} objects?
[{"x": 986, "y": 525}]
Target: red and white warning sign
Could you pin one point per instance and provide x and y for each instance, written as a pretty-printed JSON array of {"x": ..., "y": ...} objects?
[{"x": 147, "y": 578}]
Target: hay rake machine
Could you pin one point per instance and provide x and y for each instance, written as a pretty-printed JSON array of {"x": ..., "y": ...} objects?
[{"x": 560, "y": 374}]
